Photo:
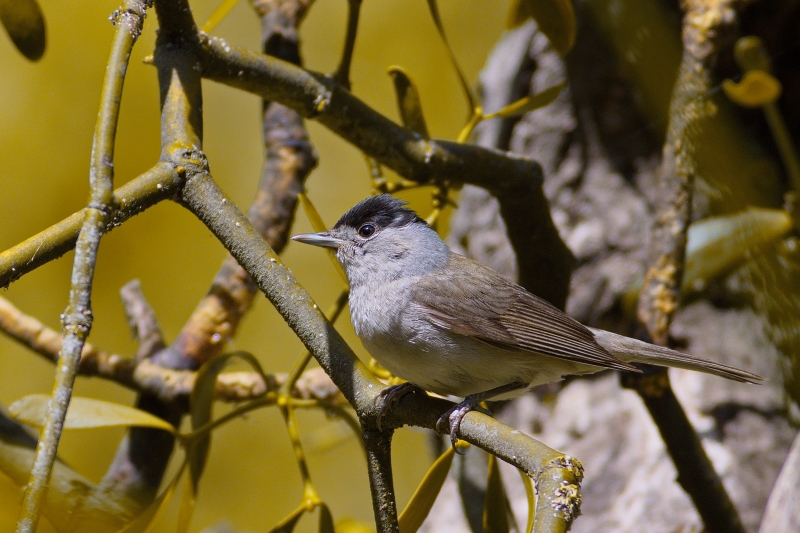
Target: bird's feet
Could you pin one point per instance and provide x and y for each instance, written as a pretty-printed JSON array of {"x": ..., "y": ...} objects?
[
  {"x": 391, "y": 395},
  {"x": 456, "y": 414}
]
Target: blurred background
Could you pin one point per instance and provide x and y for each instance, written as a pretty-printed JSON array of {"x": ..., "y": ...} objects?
[{"x": 47, "y": 114}]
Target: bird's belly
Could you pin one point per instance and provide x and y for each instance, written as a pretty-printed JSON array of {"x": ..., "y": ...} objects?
[{"x": 449, "y": 364}]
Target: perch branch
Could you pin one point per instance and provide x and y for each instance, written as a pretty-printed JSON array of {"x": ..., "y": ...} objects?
[
  {"x": 378, "y": 446},
  {"x": 77, "y": 320},
  {"x": 704, "y": 23}
]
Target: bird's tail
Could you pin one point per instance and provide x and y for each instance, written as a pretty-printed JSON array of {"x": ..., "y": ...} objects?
[{"x": 636, "y": 351}]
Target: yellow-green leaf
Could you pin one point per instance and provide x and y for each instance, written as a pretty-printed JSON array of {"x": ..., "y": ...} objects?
[
  {"x": 325, "y": 519},
  {"x": 422, "y": 501},
  {"x": 717, "y": 245},
  {"x": 287, "y": 524},
  {"x": 408, "y": 101},
  {"x": 319, "y": 226},
  {"x": 220, "y": 13},
  {"x": 756, "y": 89},
  {"x": 85, "y": 413},
  {"x": 531, "y": 494},
  {"x": 187, "y": 505},
  {"x": 24, "y": 22},
  {"x": 555, "y": 18},
  {"x": 529, "y": 103},
  {"x": 495, "y": 507}
]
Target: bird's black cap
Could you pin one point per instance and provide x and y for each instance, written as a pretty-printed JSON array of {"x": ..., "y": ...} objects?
[{"x": 381, "y": 210}]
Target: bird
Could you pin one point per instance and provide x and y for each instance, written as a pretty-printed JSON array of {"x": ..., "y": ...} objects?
[{"x": 447, "y": 324}]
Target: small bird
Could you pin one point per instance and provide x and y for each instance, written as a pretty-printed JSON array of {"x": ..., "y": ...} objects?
[{"x": 449, "y": 325}]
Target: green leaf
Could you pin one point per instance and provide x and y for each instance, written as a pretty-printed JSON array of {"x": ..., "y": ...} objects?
[
  {"x": 187, "y": 504},
  {"x": 86, "y": 413},
  {"x": 287, "y": 524},
  {"x": 531, "y": 494},
  {"x": 717, "y": 245},
  {"x": 24, "y": 22},
  {"x": 530, "y": 103},
  {"x": 437, "y": 20},
  {"x": 325, "y": 519},
  {"x": 756, "y": 89},
  {"x": 201, "y": 403},
  {"x": 408, "y": 101},
  {"x": 422, "y": 501},
  {"x": 555, "y": 18},
  {"x": 495, "y": 507}
]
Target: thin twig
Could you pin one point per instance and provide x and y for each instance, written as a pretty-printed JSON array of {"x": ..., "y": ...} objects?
[
  {"x": 342, "y": 73},
  {"x": 77, "y": 321}
]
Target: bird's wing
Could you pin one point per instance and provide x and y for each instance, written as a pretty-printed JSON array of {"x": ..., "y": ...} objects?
[{"x": 472, "y": 300}]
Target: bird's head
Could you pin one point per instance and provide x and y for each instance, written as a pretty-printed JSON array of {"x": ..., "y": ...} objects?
[{"x": 380, "y": 240}]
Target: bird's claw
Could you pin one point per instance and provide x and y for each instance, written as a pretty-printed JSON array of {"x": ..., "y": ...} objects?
[
  {"x": 391, "y": 395},
  {"x": 455, "y": 415}
]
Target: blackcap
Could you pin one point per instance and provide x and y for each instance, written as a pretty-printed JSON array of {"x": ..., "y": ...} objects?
[{"x": 449, "y": 325}]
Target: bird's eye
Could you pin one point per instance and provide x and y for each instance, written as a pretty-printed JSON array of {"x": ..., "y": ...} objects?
[{"x": 366, "y": 230}]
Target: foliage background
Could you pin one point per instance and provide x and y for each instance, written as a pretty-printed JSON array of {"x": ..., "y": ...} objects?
[{"x": 47, "y": 113}]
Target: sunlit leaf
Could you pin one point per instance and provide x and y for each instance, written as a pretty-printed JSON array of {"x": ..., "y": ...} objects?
[
  {"x": 220, "y": 13},
  {"x": 201, "y": 403},
  {"x": 756, "y": 89},
  {"x": 717, "y": 245},
  {"x": 531, "y": 494},
  {"x": 287, "y": 524},
  {"x": 319, "y": 226},
  {"x": 421, "y": 502},
  {"x": 437, "y": 20},
  {"x": 144, "y": 522},
  {"x": 85, "y": 413},
  {"x": 325, "y": 519},
  {"x": 495, "y": 518},
  {"x": 555, "y": 18},
  {"x": 530, "y": 103},
  {"x": 408, "y": 101},
  {"x": 24, "y": 22}
]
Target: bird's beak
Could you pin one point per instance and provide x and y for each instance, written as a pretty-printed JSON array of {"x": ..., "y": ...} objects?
[{"x": 322, "y": 239}]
